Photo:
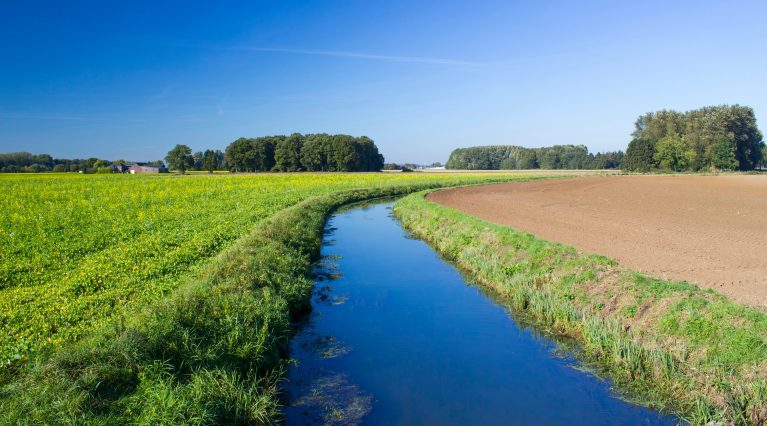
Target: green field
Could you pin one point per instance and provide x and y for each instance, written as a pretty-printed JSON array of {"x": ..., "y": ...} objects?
[
  {"x": 77, "y": 249},
  {"x": 162, "y": 298}
]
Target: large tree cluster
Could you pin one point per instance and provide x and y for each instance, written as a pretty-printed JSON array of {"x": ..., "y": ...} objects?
[
  {"x": 312, "y": 152},
  {"x": 509, "y": 157},
  {"x": 711, "y": 138}
]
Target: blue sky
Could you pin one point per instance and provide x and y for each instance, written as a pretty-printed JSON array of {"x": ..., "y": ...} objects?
[{"x": 132, "y": 79}]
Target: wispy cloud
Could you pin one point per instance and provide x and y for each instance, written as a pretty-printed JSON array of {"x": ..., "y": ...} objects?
[
  {"x": 358, "y": 55},
  {"x": 43, "y": 117},
  {"x": 102, "y": 116}
]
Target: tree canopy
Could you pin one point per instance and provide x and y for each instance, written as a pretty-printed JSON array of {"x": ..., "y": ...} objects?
[
  {"x": 639, "y": 156},
  {"x": 510, "y": 157},
  {"x": 15, "y": 162},
  {"x": 180, "y": 158},
  {"x": 297, "y": 152},
  {"x": 723, "y": 137}
]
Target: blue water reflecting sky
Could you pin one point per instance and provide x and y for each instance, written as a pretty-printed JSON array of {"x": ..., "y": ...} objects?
[{"x": 400, "y": 338}]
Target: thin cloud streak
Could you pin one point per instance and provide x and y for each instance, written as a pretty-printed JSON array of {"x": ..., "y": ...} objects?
[
  {"x": 392, "y": 58},
  {"x": 42, "y": 117}
]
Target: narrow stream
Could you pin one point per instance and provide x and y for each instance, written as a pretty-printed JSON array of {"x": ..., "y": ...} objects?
[{"x": 397, "y": 336}]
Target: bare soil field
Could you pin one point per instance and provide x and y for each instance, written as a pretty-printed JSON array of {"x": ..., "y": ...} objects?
[
  {"x": 708, "y": 230},
  {"x": 547, "y": 172}
]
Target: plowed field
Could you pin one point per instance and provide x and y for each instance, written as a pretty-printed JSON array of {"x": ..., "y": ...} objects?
[{"x": 708, "y": 230}]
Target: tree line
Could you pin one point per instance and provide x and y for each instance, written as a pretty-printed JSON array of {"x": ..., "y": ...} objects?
[
  {"x": 311, "y": 152},
  {"x": 294, "y": 153},
  {"x": 721, "y": 137},
  {"x": 510, "y": 157},
  {"x": 25, "y": 162}
]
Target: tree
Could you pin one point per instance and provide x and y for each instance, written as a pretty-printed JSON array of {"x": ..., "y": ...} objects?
[
  {"x": 180, "y": 158},
  {"x": 287, "y": 154},
  {"x": 549, "y": 159},
  {"x": 220, "y": 161},
  {"x": 313, "y": 152},
  {"x": 264, "y": 152},
  {"x": 639, "y": 156},
  {"x": 510, "y": 157},
  {"x": 723, "y": 155},
  {"x": 527, "y": 159},
  {"x": 240, "y": 155},
  {"x": 209, "y": 160},
  {"x": 673, "y": 153},
  {"x": 59, "y": 168},
  {"x": 44, "y": 160},
  {"x": 199, "y": 157},
  {"x": 703, "y": 129},
  {"x": 344, "y": 153},
  {"x": 100, "y": 164},
  {"x": 368, "y": 157}
]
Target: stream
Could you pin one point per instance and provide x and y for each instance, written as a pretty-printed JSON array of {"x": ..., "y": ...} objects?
[{"x": 398, "y": 336}]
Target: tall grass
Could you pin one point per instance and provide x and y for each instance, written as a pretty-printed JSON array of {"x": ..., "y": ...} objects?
[{"x": 669, "y": 345}]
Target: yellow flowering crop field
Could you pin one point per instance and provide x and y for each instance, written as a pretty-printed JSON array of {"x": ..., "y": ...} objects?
[{"x": 77, "y": 250}]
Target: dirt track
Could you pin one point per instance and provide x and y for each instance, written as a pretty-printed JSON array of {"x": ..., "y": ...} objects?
[{"x": 708, "y": 230}]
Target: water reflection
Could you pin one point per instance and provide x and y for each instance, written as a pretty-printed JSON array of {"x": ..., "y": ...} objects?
[{"x": 398, "y": 337}]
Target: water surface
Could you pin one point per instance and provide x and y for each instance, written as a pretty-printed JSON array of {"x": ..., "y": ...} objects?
[{"x": 397, "y": 336}]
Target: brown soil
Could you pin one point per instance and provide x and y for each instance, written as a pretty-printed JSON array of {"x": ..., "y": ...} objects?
[{"x": 708, "y": 230}]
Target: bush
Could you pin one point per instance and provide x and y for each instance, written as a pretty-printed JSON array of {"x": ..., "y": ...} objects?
[
  {"x": 59, "y": 168},
  {"x": 104, "y": 170}
]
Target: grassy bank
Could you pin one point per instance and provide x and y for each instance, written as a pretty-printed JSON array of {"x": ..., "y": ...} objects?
[
  {"x": 669, "y": 345},
  {"x": 211, "y": 352}
]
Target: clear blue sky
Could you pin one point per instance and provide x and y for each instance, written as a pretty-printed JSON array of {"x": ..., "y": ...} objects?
[{"x": 130, "y": 79}]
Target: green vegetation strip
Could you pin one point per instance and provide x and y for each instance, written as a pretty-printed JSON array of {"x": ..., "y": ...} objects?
[
  {"x": 669, "y": 345},
  {"x": 213, "y": 351}
]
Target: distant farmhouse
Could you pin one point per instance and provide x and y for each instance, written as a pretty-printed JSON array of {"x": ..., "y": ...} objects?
[{"x": 136, "y": 168}]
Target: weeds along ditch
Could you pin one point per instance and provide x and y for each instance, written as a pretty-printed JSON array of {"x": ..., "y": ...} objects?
[
  {"x": 213, "y": 349},
  {"x": 668, "y": 345}
]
